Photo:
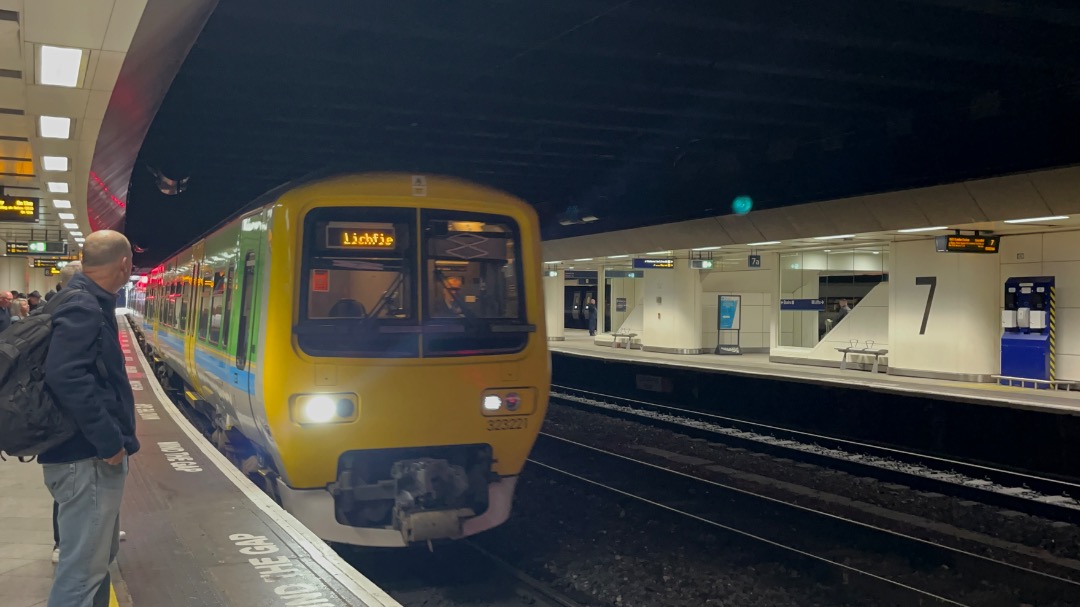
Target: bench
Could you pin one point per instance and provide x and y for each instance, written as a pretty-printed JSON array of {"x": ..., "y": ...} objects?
[
  {"x": 628, "y": 336},
  {"x": 1054, "y": 384},
  {"x": 869, "y": 350}
]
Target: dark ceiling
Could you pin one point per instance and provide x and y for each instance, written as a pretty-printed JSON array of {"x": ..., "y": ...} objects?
[{"x": 638, "y": 111}]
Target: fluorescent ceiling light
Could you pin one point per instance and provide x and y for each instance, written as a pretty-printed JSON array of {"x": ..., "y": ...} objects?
[
  {"x": 71, "y": 226},
  {"x": 76, "y": 233},
  {"x": 659, "y": 253},
  {"x": 707, "y": 249},
  {"x": 837, "y": 237},
  {"x": 584, "y": 259},
  {"x": 55, "y": 127},
  {"x": 80, "y": 239},
  {"x": 1038, "y": 219},
  {"x": 58, "y": 187},
  {"x": 914, "y": 230},
  {"x": 66, "y": 216},
  {"x": 618, "y": 256},
  {"x": 54, "y": 163},
  {"x": 59, "y": 66},
  {"x": 762, "y": 244},
  {"x": 62, "y": 204}
]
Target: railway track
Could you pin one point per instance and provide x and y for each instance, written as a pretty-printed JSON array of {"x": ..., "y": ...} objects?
[
  {"x": 1016, "y": 490},
  {"x": 457, "y": 574},
  {"x": 895, "y": 568}
]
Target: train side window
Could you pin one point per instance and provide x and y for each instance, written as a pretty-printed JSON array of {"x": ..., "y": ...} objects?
[
  {"x": 246, "y": 295},
  {"x": 228, "y": 306},
  {"x": 205, "y": 287},
  {"x": 216, "y": 311}
]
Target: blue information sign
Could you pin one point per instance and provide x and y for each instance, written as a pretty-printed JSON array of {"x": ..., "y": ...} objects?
[
  {"x": 729, "y": 310},
  {"x": 647, "y": 263},
  {"x": 808, "y": 305}
]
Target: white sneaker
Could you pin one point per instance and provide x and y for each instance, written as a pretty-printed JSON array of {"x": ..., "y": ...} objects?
[
  {"x": 55, "y": 556},
  {"x": 123, "y": 536}
]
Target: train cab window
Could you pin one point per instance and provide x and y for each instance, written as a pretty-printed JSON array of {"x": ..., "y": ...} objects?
[
  {"x": 358, "y": 282},
  {"x": 472, "y": 285}
]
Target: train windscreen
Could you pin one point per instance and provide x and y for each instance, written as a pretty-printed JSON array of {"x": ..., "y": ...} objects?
[{"x": 369, "y": 290}]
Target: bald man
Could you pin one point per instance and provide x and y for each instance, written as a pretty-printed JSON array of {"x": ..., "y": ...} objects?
[
  {"x": 85, "y": 372},
  {"x": 5, "y": 311}
]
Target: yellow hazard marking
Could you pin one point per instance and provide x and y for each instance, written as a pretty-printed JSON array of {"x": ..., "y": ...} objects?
[{"x": 112, "y": 597}]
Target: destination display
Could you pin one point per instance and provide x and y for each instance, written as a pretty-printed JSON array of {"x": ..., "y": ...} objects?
[
  {"x": 22, "y": 209},
  {"x": 360, "y": 236},
  {"x": 968, "y": 244},
  {"x": 37, "y": 248},
  {"x": 647, "y": 263}
]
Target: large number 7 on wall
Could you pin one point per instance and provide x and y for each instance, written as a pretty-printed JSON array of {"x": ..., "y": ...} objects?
[{"x": 932, "y": 281}]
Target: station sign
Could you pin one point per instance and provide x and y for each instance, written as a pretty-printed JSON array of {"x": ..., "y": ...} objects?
[
  {"x": 22, "y": 209},
  {"x": 659, "y": 263},
  {"x": 753, "y": 261},
  {"x": 805, "y": 305},
  {"x": 701, "y": 264},
  {"x": 580, "y": 274},
  {"x": 37, "y": 248},
  {"x": 624, "y": 274},
  {"x": 967, "y": 244},
  {"x": 52, "y": 271}
]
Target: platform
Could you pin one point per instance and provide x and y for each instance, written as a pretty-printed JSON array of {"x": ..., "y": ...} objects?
[
  {"x": 198, "y": 532},
  {"x": 758, "y": 365}
]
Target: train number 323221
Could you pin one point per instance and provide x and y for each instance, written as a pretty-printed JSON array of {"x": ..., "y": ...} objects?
[{"x": 508, "y": 423}]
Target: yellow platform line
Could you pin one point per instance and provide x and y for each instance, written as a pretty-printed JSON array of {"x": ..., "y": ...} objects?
[{"x": 112, "y": 597}]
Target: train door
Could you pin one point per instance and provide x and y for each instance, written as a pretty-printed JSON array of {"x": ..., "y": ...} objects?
[
  {"x": 190, "y": 301},
  {"x": 246, "y": 317}
]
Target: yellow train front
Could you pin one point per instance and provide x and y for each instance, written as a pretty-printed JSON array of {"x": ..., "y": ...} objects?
[{"x": 389, "y": 330}]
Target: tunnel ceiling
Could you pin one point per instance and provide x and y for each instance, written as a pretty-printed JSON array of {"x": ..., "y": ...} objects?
[{"x": 636, "y": 112}]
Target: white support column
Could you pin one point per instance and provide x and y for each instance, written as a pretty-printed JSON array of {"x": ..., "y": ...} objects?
[
  {"x": 601, "y": 300},
  {"x": 673, "y": 308},
  {"x": 554, "y": 302}
]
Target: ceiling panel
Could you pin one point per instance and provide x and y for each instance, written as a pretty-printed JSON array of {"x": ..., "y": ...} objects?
[
  {"x": 108, "y": 65},
  {"x": 14, "y": 125},
  {"x": 64, "y": 23},
  {"x": 15, "y": 149},
  {"x": 12, "y": 93},
  {"x": 127, "y": 14},
  {"x": 1008, "y": 198},
  {"x": 55, "y": 101},
  {"x": 10, "y": 46},
  {"x": 1060, "y": 190}
]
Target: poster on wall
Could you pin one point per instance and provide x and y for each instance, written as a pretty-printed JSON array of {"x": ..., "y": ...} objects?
[
  {"x": 727, "y": 325},
  {"x": 620, "y": 304}
]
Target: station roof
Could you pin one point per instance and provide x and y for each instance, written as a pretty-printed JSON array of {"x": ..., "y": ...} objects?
[{"x": 635, "y": 112}]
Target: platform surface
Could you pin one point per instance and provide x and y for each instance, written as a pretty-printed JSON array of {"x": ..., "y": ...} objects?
[
  {"x": 199, "y": 533},
  {"x": 758, "y": 365},
  {"x": 26, "y": 536}
]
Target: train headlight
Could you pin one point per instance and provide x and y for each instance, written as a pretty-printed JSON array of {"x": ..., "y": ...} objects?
[
  {"x": 492, "y": 402},
  {"x": 507, "y": 401},
  {"x": 323, "y": 408}
]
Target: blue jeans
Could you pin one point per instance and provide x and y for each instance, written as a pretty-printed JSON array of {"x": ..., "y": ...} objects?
[{"x": 89, "y": 493}]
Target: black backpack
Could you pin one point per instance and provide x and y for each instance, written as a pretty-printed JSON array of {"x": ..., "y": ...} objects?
[{"x": 30, "y": 421}]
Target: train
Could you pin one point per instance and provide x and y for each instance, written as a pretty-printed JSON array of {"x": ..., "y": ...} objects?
[{"x": 368, "y": 348}]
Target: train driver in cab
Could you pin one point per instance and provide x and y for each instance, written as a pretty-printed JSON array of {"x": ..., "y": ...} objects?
[{"x": 451, "y": 300}]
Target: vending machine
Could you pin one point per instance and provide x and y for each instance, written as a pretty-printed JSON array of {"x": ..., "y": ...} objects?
[{"x": 1027, "y": 339}]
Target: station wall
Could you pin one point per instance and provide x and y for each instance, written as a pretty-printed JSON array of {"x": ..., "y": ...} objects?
[
  {"x": 1054, "y": 254},
  {"x": 15, "y": 273},
  {"x": 630, "y": 289},
  {"x": 961, "y": 338},
  {"x": 754, "y": 320}
]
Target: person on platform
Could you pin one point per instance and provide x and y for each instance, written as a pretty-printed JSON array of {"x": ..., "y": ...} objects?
[
  {"x": 34, "y": 299},
  {"x": 19, "y": 308},
  {"x": 85, "y": 373},
  {"x": 842, "y": 309},
  {"x": 60, "y": 285},
  {"x": 590, "y": 311},
  {"x": 5, "y": 312}
]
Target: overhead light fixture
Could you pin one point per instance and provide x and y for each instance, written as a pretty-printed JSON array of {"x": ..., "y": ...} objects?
[
  {"x": 54, "y": 163},
  {"x": 71, "y": 226},
  {"x": 1038, "y": 219},
  {"x": 914, "y": 230},
  {"x": 55, "y": 127},
  {"x": 76, "y": 233},
  {"x": 59, "y": 66},
  {"x": 587, "y": 218},
  {"x": 58, "y": 187},
  {"x": 584, "y": 259},
  {"x": 659, "y": 253},
  {"x": 837, "y": 237},
  {"x": 66, "y": 216},
  {"x": 618, "y": 256},
  {"x": 707, "y": 249},
  {"x": 763, "y": 244},
  {"x": 62, "y": 204}
]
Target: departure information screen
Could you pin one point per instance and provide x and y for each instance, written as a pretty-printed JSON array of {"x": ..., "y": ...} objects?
[
  {"x": 968, "y": 244},
  {"x": 19, "y": 208},
  {"x": 361, "y": 236}
]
